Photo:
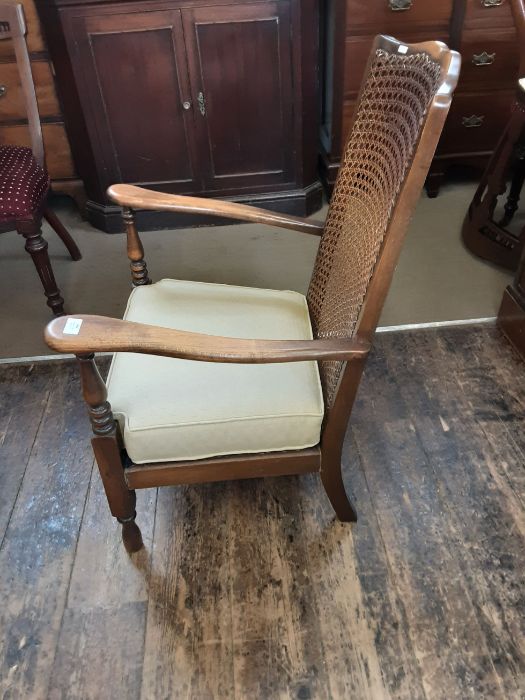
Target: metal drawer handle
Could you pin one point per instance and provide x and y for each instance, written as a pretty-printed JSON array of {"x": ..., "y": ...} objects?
[
  {"x": 473, "y": 121},
  {"x": 202, "y": 103},
  {"x": 491, "y": 3},
  {"x": 399, "y": 5},
  {"x": 3, "y": 90},
  {"x": 483, "y": 59}
]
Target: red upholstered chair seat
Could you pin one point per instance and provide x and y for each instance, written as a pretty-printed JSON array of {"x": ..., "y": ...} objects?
[{"x": 23, "y": 183}]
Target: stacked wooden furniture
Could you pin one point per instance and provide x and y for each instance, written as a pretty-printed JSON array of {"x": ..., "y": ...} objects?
[
  {"x": 217, "y": 98},
  {"x": 13, "y": 117},
  {"x": 482, "y": 30}
]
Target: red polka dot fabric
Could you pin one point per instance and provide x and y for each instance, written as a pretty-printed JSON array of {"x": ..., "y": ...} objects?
[{"x": 23, "y": 183}]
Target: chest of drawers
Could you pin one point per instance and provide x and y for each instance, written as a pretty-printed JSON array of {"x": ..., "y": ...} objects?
[{"x": 482, "y": 30}]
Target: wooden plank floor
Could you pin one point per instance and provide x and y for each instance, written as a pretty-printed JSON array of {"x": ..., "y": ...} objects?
[{"x": 250, "y": 589}]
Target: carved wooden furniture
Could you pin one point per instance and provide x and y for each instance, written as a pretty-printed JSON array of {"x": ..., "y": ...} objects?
[
  {"x": 511, "y": 316},
  {"x": 168, "y": 421},
  {"x": 485, "y": 236},
  {"x": 14, "y": 129},
  {"x": 482, "y": 30},
  {"x": 225, "y": 105},
  {"x": 24, "y": 180}
]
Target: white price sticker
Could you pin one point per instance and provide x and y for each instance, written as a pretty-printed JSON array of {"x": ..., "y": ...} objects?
[
  {"x": 402, "y": 49},
  {"x": 72, "y": 326}
]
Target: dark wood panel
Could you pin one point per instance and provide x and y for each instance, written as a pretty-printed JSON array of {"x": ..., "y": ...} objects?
[
  {"x": 498, "y": 69},
  {"x": 135, "y": 76},
  {"x": 487, "y": 16},
  {"x": 475, "y": 122},
  {"x": 380, "y": 13},
  {"x": 247, "y": 131}
]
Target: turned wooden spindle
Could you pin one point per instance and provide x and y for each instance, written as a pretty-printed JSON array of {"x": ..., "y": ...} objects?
[
  {"x": 139, "y": 270},
  {"x": 107, "y": 447}
]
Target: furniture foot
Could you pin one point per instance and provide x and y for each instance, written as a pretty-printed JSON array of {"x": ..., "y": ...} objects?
[
  {"x": 433, "y": 182},
  {"x": 335, "y": 490},
  {"x": 36, "y": 246},
  {"x": 511, "y": 205},
  {"x": 131, "y": 534},
  {"x": 64, "y": 235}
]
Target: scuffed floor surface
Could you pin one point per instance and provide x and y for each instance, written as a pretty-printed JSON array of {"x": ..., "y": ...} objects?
[{"x": 250, "y": 589}]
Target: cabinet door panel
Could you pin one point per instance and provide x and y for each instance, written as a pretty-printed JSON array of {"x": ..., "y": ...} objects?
[
  {"x": 134, "y": 72},
  {"x": 241, "y": 61}
]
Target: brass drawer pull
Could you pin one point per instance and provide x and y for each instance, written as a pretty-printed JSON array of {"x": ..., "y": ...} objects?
[
  {"x": 399, "y": 5},
  {"x": 472, "y": 121},
  {"x": 491, "y": 3},
  {"x": 3, "y": 90},
  {"x": 483, "y": 59}
]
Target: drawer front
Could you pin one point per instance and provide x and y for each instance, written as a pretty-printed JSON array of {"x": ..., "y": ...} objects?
[
  {"x": 35, "y": 41},
  {"x": 12, "y": 104},
  {"x": 490, "y": 61},
  {"x": 488, "y": 14},
  {"x": 357, "y": 50},
  {"x": 392, "y": 15},
  {"x": 476, "y": 122},
  {"x": 58, "y": 154}
]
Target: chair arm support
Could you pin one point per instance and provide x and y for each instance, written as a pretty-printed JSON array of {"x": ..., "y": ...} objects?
[
  {"x": 101, "y": 334},
  {"x": 140, "y": 198}
]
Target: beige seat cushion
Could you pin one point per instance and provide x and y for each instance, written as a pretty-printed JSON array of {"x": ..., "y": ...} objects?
[{"x": 172, "y": 409}]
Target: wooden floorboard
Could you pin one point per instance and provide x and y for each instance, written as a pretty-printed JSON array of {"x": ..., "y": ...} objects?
[{"x": 251, "y": 589}]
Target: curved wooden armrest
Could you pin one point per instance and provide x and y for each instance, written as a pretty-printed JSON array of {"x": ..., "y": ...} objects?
[
  {"x": 101, "y": 334},
  {"x": 140, "y": 198}
]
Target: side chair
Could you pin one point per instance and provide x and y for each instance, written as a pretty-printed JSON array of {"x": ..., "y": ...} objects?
[
  {"x": 212, "y": 382},
  {"x": 24, "y": 181}
]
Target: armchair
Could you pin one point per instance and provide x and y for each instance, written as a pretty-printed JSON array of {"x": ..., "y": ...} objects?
[{"x": 224, "y": 398}]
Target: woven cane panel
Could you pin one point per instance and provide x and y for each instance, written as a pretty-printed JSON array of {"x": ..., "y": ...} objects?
[{"x": 377, "y": 156}]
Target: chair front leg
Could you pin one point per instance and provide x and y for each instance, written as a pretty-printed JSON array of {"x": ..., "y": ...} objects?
[
  {"x": 36, "y": 246},
  {"x": 107, "y": 449}
]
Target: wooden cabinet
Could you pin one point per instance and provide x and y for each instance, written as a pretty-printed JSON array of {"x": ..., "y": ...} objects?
[
  {"x": 482, "y": 30},
  {"x": 13, "y": 117},
  {"x": 211, "y": 98}
]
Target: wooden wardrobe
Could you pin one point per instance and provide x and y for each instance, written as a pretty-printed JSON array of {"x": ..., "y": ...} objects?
[{"x": 210, "y": 97}]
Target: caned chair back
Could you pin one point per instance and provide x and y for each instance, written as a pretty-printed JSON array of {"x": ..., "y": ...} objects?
[
  {"x": 13, "y": 26},
  {"x": 401, "y": 108}
]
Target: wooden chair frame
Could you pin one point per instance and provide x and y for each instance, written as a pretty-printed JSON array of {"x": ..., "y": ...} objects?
[
  {"x": 13, "y": 27},
  {"x": 101, "y": 334}
]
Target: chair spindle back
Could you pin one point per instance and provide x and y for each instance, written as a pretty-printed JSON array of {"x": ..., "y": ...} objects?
[{"x": 13, "y": 26}]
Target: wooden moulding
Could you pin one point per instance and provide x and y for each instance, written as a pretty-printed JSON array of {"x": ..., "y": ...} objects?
[{"x": 143, "y": 476}]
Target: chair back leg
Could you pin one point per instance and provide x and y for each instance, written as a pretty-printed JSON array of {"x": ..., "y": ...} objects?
[
  {"x": 61, "y": 231},
  {"x": 36, "y": 246}
]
